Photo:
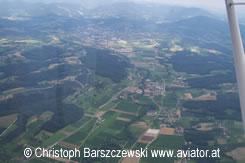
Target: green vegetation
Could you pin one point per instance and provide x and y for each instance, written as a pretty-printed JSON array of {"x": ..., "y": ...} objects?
[
  {"x": 185, "y": 122},
  {"x": 105, "y": 64},
  {"x": 166, "y": 141},
  {"x": 103, "y": 79},
  {"x": 53, "y": 139},
  {"x": 170, "y": 100},
  {"x": 216, "y": 108},
  {"x": 128, "y": 106},
  {"x": 192, "y": 63},
  {"x": 70, "y": 128},
  {"x": 79, "y": 136}
]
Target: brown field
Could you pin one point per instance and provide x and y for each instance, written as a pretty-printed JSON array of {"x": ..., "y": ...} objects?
[
  {"x": 188, "y": 96},
  {"x": 195, "y": 49},
  {"x": 146, "y": 139},
  {"x": 100, "y": 113},
  {"x": 52, "y": 66},
  {"x": 149, "y": 136},
  {"x": 131, "y": 160},
  {"x": 141, "y": 125},
  {"x": 205, "y": 126},
  {"x": 124, "y": 112},
  {"x": 167, "y": 131},
  {"x": 176, "y": 49},
  {"x": 206, "y": 97},
  {"x": 221, "y": 141},
  {"x": 178, "y": 112},
  {"x": 214, "y": 51},
  {"x": 34, "y": 119},
  {"x": 2, "y": 98},
  {"x": 45, "y": 116},
  {"x": 88, "y": 115},
  {"x": 237, "y": 154},
  {"x": 68, "y": 145},
  {"x": 5, "y": 121},
  {"x": 17, "y": 54},
  {"x": 123, "y": 119},
  {"x": 152, "y": 132}
]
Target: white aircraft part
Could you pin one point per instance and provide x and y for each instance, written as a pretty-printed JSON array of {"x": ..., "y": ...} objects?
[{"x": 238, "y": 53}]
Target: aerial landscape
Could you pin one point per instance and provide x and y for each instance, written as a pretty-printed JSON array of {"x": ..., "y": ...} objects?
[{"x": 117, "y": 76}]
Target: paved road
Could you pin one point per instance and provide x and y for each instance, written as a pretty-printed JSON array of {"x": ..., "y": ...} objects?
[{"x": 113, "y": 97}]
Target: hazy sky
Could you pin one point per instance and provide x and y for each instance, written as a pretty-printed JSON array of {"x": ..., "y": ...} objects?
[
  {"x": 211, "y": 4},
  {"x": 198, "y": 3},
  {"x": 217, "y": 6}
]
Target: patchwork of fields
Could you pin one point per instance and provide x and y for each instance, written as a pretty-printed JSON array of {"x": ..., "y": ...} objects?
[{"x": 104, "y": 80}]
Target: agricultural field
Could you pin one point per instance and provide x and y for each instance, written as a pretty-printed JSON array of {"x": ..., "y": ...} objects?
[{"x": 73, "y": 77}]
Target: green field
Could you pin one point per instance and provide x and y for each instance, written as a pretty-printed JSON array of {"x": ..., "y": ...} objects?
[
  {"x": 128, "y": 106},
  {"x": 5, "y": 121},
  {"x": 168, "y": 141},
  {"x": 53, "y": 139},
  {"x": 78, "y": 137},
  {"x": 102, "y": 79},
  {"x": 106, "y": 130},
  {"x": 170, "y": 100},
  {"x": 164, "y": 142}
]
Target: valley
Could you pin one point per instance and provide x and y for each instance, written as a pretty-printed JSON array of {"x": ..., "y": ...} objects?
[{"x": 103, "y": 82}]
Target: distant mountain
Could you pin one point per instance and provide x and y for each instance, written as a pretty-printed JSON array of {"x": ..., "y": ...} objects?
[
  {"x": 208, "y": 29},
  {"x": 155, "y": 12},
  {"x": 133, "y": 11},
  {"x": 200, "y": 26},
  {"x": 190, "y": 23},
  {"x": 24, "y": 9}
]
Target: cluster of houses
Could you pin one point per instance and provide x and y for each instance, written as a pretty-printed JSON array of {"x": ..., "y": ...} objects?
[{"x": 153, "y": 88}]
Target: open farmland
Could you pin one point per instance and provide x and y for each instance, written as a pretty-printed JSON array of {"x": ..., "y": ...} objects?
[{"x": 117, "y": 76}]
